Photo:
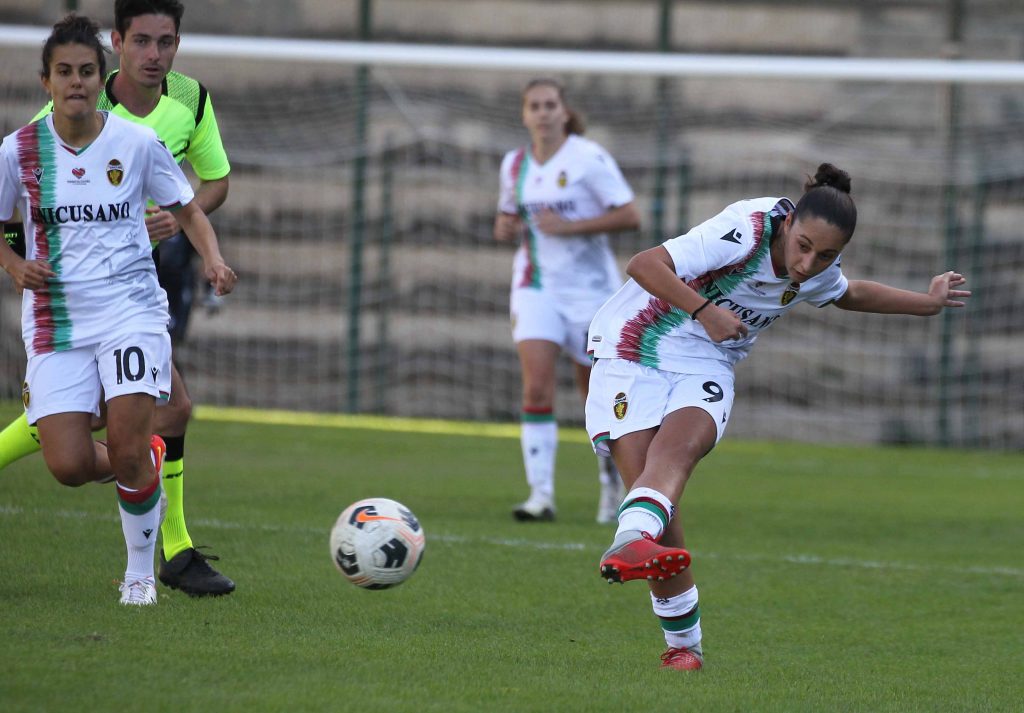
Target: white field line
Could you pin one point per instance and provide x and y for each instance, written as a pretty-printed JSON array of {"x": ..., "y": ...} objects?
[{"x": 521, "y": 543}]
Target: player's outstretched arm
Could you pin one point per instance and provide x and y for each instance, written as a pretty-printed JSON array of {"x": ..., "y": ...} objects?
[
  {"x": 200, "y": 233},
  {"x": 867, "y": 296}
]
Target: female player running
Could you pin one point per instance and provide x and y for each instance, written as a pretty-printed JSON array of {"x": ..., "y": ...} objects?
[
  {"x": 665, "y": 345},
  {"x": 561, "y": 196},
  {"x": 145, "y": 90},
  {"x": 93, "y": 315}
]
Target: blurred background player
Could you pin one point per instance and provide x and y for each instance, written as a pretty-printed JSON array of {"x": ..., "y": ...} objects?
[
  {"x": 561, "y": 195},
  {"x": 93, "y": 314},
  {"x": 665, "y": 346},
  {"x": 144, "y": 90}
]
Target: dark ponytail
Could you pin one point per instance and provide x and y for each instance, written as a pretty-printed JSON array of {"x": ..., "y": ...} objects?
[
  {"x": 574, "y": 124},
  {"x": 75, "y": 30},
  {"x": 827, "y": 197}
]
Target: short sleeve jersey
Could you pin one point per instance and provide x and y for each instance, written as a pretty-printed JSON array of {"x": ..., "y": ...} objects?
[
  {"x": 84, "y": 212},
  {"x": 581, "y": 181},
  {"x": 183, "y": 119},
  {"x": 728, "y": 260}
]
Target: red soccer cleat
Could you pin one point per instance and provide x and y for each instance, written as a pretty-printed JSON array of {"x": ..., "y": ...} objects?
[
  {"x": 682, "y": 660},
  {"x": 636, "y": 555}
]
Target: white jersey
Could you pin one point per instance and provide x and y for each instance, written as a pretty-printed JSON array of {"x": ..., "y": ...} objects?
[
  {"x": 728, "y": 260},
  {"x": 84, "y": 212},
  {"x": 581, "y": 181}
]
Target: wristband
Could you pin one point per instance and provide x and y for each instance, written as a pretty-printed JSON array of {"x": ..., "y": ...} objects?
[
  {"x": 14, "y": 234},
  {"x": 694, "y": 313}
]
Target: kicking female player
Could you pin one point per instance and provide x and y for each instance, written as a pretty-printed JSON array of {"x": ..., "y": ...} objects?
[{"x": 661, "y": 392}]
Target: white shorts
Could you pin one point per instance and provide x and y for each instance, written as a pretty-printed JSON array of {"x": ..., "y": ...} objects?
[
  {"x": 72, "y": 381},
  {"x": 626, "y": 397},
  {"x": 536, "y": 314}
]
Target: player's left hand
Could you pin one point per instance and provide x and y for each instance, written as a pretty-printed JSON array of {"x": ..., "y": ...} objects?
[
  {"x": 222, "y": 277},
  {"x": 941, "y": 289},
  {"x": 161, "y": 224},
  {"x": 551, "y": 223}
]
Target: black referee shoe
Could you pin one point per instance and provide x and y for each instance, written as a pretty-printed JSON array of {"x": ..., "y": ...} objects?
[{"x": 188, "y": 571}]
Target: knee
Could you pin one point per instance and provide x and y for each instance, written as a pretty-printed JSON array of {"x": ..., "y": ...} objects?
[
  {"x": 131, "y": 466},
  {"x": 537, "y": 396},
  {"x": 70, "y": 478},
  {"x": 176, "y": 413},
  {"x": 72, "y": 472}
]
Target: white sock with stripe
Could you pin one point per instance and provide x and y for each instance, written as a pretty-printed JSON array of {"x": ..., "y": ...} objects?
[
  {"x": 647, "y": 510},
  {"x": 680, "y": 619},
  {"x": 539, "y": 439},
  {"x": 140, "y": 523}
]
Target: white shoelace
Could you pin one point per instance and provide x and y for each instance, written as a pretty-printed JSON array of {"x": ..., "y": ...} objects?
[{"x": 138, "y": 592}]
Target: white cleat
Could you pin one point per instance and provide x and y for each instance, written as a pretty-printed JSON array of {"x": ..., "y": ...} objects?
[
  {"x": 139, "y": 593},
  {"x": 536, "y": 509}
]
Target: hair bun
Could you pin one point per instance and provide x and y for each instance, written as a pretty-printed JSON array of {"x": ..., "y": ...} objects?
[{"x": 829, "y": 175}]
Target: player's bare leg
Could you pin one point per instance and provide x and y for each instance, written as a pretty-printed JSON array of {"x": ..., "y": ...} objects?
[
  {"x": 75, "y": 458},
  {"x": 69, "y": 451},
  {"x": 636, "y": 552},
  {"x": 646, "y": 462}
]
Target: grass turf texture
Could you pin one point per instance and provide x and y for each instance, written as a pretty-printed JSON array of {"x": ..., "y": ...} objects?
[{"x": 838, "y": 579}]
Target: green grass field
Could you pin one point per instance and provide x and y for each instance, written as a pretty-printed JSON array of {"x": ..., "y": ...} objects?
[{"x": 831, "y": 579}]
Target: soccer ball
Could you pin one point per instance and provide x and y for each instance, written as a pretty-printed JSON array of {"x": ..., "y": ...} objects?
[{"x": 377, "y": 543}]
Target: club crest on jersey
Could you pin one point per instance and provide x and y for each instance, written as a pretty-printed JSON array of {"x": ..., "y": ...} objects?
[
  {"x": 621, "y": 405},
  {"x": 115, "y": 172},
  {"x": 563, "y": 180},
  {"x": 25, "y": 398},
  {"x": 790, "y": 293},
  {"x": 38, "y": 173}
]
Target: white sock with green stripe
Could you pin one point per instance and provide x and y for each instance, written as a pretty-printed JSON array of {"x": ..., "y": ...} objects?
[
  {"x": 680, "y": 619},
  {"x": 140, "y": 523},
  {"x": 646, "y": 510},
  {"x": 539, "y": 439}
]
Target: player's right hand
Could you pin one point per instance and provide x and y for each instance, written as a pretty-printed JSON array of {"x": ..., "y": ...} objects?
[
  {"x": 721, "y": 324},
  {"x": 30, "y": 274},
  {"x": 222, "y": 277},
  {"x": 507, "y": 228}
]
